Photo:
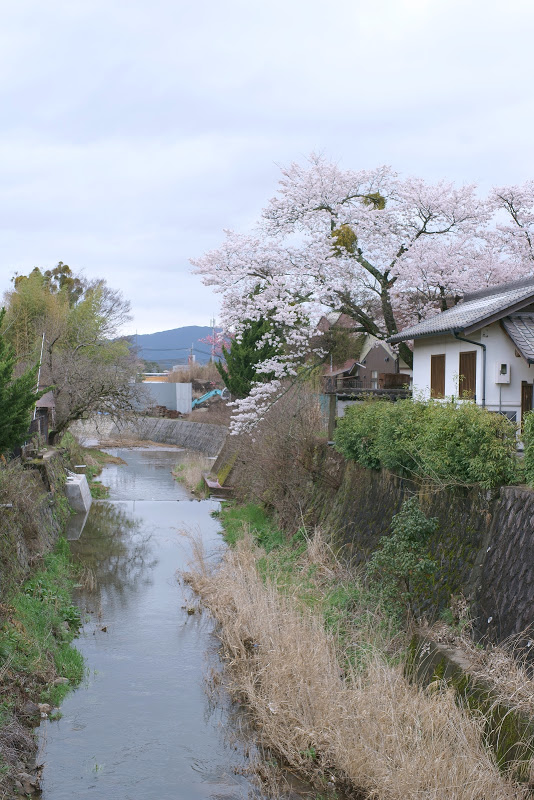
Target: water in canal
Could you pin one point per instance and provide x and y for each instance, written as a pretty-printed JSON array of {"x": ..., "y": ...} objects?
[{"x": 141, "y": 726}]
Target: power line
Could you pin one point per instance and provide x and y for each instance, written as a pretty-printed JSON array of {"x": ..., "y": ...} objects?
[{"x": 172, "y": 350}]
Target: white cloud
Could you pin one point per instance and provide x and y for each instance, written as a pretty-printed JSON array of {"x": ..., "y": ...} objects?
[{"x": 133, "y": 132}]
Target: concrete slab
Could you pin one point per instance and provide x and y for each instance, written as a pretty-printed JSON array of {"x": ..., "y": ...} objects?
[{"x": 78, "y": 493}]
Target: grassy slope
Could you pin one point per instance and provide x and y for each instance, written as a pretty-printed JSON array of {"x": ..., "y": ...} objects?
[{"x": 38, "y": 626}]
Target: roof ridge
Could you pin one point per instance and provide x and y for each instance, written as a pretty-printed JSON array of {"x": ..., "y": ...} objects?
[
  {"x": 473, "y": 313},
  {"x": 499, "y": 288}
]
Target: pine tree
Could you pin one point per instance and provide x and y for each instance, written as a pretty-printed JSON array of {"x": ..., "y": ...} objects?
[
  {"x": 243, "y": 357},
  {"x": 17, "y": 397}
]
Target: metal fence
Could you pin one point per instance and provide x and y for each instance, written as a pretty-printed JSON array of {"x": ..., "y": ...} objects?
[{"x": 384, "y": 381}]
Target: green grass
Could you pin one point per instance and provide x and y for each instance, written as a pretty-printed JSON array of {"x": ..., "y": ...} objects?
[
  {"x": 236, "y": 519},
  {"x": 36, "y": 636},
  {"x": 98, "y": 490}
]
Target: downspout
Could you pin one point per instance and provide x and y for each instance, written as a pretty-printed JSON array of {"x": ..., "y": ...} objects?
[{"x": 483, "y": 346}]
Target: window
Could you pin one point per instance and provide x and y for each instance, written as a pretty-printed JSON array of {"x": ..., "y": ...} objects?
[
  {"x": 374, "y": 379},
  {"x": 468, "y": 374},
  {"x": 437, "y": 375}
]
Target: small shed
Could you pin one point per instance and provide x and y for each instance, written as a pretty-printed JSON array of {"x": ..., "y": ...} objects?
[{"x": 44, "y": 418}]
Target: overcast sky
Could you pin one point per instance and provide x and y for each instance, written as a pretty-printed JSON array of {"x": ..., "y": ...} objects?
[{"x": 133, "y": 131}]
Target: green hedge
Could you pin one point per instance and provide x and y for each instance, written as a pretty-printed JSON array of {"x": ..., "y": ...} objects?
[{"x": 445, "y": 443}]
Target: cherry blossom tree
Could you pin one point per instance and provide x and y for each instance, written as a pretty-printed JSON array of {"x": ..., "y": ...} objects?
[
  {"x": 216, "y": 341},
  {"x": 383, "y": 249}
]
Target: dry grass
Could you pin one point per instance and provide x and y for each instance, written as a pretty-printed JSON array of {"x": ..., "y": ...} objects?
[
  {"x": 17, "y": 747},
  {"x": 276, "y": 466},
  {"x": 501, "y": 668},
  {"x": 370, "y": 733},
  {"x": 215, "y": 412},
  {"x": 195, "y": 372},
  {"x": 190, "y": 469}
]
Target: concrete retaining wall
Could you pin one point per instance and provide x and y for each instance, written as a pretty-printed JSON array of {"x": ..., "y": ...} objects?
[
  {"x": 200, "y": 436},
  {"x": 484, "y": 544}
]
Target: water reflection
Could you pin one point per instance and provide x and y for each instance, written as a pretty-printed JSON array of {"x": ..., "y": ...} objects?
[
  {"x": 114, "y": 554},
  {"x": 146, "y": 475}
]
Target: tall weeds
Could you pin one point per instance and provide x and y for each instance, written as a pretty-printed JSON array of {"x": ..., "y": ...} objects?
[
  {"x": 190, "y": 469},
  {"x": 366, "y": 730}
]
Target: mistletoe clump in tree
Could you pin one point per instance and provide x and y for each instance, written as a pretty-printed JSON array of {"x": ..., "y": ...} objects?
[{"x": 383, "y": 249}]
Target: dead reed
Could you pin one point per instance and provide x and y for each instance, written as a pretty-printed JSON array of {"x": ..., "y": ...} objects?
[
  {"x": 190, "y": 470},
  {"x": 367, "y": 731},
  {"x": 195, "y": 372},
  {"x": 502, "y": 668}
]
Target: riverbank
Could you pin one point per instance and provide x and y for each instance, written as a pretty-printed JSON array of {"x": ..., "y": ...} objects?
[
  {"x": 38, "y": 622},
  {"x": 321, "y": 664}
]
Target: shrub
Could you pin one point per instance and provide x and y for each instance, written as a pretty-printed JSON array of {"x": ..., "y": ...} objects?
[
  {"x": 444, "y": 443},
  {"x": 277, "y": 466},
  {"x": 402, "y": 568}
]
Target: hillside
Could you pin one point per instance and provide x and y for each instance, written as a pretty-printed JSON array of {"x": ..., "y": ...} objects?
[{"x": 173, "y": 347}]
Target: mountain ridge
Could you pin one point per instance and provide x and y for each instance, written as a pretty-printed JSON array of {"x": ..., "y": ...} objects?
[{"x": 174, "y": 346}]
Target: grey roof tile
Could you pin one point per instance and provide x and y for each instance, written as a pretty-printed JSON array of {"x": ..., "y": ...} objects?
[
  {"x": 520, "y": 329},
  {"x": 484, "y": 307}
]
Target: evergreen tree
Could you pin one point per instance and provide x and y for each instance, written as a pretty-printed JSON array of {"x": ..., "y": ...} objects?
[
  {"x": 243, "y": 357},
  {"x": 17, "y": 397}
]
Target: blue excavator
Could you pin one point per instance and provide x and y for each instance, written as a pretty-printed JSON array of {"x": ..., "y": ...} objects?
[{"x": 223, "y": 393}]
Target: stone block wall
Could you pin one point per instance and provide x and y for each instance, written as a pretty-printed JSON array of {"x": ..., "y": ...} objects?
[{"x": 484, "y": 543}]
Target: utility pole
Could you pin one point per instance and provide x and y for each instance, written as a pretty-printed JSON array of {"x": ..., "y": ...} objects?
[{"x": 39, "y": 373}]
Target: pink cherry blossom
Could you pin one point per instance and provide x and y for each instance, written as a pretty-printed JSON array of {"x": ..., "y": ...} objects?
[{"x": 386, "y": 250}]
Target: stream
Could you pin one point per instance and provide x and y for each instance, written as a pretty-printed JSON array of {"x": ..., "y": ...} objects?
[{"x": 141, "y": 726}]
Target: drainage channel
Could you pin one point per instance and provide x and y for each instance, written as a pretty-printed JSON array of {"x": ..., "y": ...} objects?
[{"x": 141, "y": 726}]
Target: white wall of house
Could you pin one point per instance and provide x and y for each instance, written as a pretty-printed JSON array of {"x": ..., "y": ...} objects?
[{"x": 499, "y": 349}]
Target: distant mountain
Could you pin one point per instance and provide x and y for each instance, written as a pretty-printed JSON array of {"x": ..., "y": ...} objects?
[{"x": 173, "y": 347}]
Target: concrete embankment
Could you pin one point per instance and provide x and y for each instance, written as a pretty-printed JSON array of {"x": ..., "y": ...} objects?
[{"x": 203, "y": 437}]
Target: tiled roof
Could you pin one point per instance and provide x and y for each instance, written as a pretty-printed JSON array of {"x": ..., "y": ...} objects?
[
  {"x": 348, "y": 366},
  {"x": 475, "y": 310},
  {"x": 46, "y": 401},
  {"x": 520, "y": 329}
]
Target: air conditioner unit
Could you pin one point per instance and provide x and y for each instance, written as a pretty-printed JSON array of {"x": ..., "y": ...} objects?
[{"x": 502, "y": 372}]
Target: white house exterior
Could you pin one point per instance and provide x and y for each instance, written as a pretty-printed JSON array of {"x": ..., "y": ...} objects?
[{"x": 495, "y": 366}]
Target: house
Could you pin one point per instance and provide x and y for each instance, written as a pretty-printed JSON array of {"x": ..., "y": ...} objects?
[
  {"x": 482, "y": 348},
  {"x": 373, "y": 365}
]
